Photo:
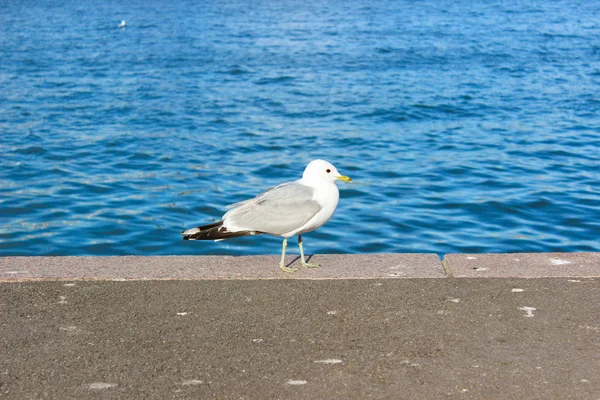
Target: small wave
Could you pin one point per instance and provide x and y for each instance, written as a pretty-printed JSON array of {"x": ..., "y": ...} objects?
[
  {"x": 31, "y": 150},
  {"x": 141, "y": 156},
  {"x": 390, "y": 115},
  {"x": 384, "y": 50},
  {"x": 275, "y": 80},
  {"x": 235, "y": 70}
]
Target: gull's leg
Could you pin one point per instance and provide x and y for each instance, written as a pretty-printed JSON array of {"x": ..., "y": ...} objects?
[
  {"x": 304, "y": 263},
  {"x": 282, "y": 263}
]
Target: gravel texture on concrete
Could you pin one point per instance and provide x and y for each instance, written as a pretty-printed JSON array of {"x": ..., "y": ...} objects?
[
  {"x": 338, "y": 266},
  {"x": 238, "y": 327},
  {"x": 484, "y": 338},
  {"x": 333, "y": 266},
  {"x": 523, "y": 265}
]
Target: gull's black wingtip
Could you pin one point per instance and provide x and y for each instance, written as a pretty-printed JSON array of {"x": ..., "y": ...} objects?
[{"x": 214, "y": 231}]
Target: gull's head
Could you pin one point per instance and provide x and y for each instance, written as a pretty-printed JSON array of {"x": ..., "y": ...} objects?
[{"x": 322, "y": 170}]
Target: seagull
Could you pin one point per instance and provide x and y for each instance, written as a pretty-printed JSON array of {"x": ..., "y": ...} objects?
[
  {"x": 122, "y": 24},
  {"x": 288, "y": 209}
]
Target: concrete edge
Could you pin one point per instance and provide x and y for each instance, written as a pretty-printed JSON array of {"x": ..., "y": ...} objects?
[
  {"x": 523, "y": 265},
  {"x": 132, "y": 268},
  {"x": 24, "y": 280},
  {"x": 334, "y": 267}
]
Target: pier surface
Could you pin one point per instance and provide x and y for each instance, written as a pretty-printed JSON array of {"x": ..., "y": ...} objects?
[{"x": 394, "y": 326}]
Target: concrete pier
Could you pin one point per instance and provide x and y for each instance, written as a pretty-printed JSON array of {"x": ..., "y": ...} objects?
[{"x": 472, "y": 326}]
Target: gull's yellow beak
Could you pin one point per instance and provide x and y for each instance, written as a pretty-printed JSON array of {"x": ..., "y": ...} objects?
[{"x": 344, "y": 178}]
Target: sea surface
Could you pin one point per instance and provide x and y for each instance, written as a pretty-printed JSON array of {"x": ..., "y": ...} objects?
[{"x": 467, "y": 126}]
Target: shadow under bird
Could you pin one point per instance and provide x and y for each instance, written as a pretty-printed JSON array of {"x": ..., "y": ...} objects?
[{"x": 289, "y": 209}]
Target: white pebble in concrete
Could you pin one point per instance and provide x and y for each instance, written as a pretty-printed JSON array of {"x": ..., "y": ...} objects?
[
  {"x": 192, "y": 382},
  {"x": 70, "y": 328},
  {"x": 517, "y": 290},
  {"x": 329, "y": 361},
  {"x": 528, "y": 310},
  {"x": 101, "y": 385},
  {"x": 593, "y": 328},
  {"x": 558, "y": 261},
  {"x": 295, "y": 382}
]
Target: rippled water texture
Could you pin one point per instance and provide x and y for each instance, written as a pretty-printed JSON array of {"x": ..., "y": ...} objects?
[{"x": 466, "y": 126}]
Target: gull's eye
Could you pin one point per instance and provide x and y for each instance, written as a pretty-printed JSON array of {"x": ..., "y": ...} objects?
[{"x": 328, "y": 170}]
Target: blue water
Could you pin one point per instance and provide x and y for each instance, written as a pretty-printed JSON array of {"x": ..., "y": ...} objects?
[{"x": 467, "y": 126}]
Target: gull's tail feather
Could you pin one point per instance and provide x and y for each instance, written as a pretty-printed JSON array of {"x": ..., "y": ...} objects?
[{"x": 214, "y": 231}]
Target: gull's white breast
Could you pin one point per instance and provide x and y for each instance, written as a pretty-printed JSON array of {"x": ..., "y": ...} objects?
[{"x": 327, "y": 195}]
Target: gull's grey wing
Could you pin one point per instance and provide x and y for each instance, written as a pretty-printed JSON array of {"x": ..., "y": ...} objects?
[{"x": 277, "y": 211}]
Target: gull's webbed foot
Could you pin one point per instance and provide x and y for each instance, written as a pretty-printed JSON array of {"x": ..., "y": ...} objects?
[
  {"x": 310, "y": 265},
  {"x": 287, "y": 269}
]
